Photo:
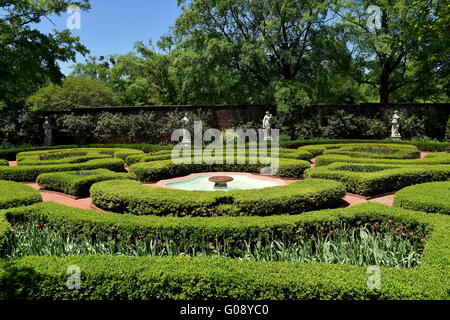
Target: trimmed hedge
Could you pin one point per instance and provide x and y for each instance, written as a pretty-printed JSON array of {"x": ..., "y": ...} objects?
[
  {"x": 30, "y": 173},
  {"x": 110, "y": 277},
  {"x": 165, "y": 169},
  {"x": 13, "y": 194},
  {"x": 430, "y": 146},
  {"x": 11, "y": 153},
  {"x": 66, "y": 156},
  {"x": 372, "y": 179},
  {"x": 3, "y": 162},
  {"x": 430, "y": 159},
  {"x": 428, "y": 197},
  {"x": 399, "y": 151},
  {"x": 131, "y": 197},
  {"x": 77, "y": 183}
]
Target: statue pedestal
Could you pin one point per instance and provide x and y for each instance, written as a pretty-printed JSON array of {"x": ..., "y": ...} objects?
[{"x": 396, "y": 138}]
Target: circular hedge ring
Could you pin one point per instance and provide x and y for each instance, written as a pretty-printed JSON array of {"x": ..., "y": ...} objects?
[
  {"x": 13, "y": 194},
  {"x": 428, "y": 197},
  {"x": 131, "y": 197}
]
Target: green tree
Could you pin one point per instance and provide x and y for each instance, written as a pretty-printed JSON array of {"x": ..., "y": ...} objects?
[
  {"x": 29, "y": 58},
  {"x": 73, "y": 93},
  {"x": 395, "y": 52}
]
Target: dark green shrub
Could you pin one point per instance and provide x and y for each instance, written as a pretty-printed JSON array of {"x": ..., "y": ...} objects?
[
  {"x": 80, "y": 128},
  {"x": 392, "y": 178},
  {"x": 447, "y": 132},
  {"x": 209, "y": 278},
  {"x": 30, "y": 173},
  {"x": 77, "y": 183},
  {"x": 13, "y": 194},
  {"x": 428, "y": 197},
  {"x": 131, "y": 197},
  {"x": 430, "y": 159}
]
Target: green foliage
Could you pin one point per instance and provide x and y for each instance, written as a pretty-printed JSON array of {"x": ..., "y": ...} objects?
[
  {"x": 39, "y": 53},
  {"x": 214, "y": 278},
  {"x": 422, "y": 145},
  {"x": 380, "y": 246},
  {"x": 427, "y": 197},
  {"x": 31, "y": 165},
  {"x": 80, "y": 128},
  {"x": 73, "y": 93},
  {"x": 13, "y": 194},
  {"x": 77, "y": 183},
  {"x": 430, "y": 159},
  {"x": 447, "y": 134},
  {"x": 131, "y": 197},
  {"x": 392, "y": 178},
  {"x": 3, "y": 162}
]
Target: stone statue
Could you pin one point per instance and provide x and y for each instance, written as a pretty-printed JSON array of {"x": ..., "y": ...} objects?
[
  {"x": 396, "y": 126},
  {"x": 267, "y": 126},
  {"x": 48, "y": 127},
  {"x": 184, "y": 122}
]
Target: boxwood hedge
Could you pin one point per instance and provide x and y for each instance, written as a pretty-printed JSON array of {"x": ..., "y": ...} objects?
[
  {"x": 165, "y": 169},
  {"x": 3, "y": 162},
  {"x": 112, "y": 277},
  {"x": 372, "y": 179},
  {"x": 13, "y": 194},
  {"x": 77, "y": 183},
  {"x": 391, "y": 151},
  {"x": 30, "y": 173},
  {"x": 77, "y": 155},
  {"x": 430, "y": 159},
  {"x": 422, "y": 145},
  {"x": 131, "y": 197},
  {"x": 427, "y": 197}
]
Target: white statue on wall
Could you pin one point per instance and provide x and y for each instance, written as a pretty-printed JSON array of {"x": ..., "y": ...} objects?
[
  {"x": 184, "y": 123},
  {"x": 48, "y": 127},
  {"x": 267, "y": 126},
  {"x": 396, "y": 126}
]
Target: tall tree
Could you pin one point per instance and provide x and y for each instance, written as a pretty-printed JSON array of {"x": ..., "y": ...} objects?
[
  {"x": 266, "y": 40},
  {"x": 387, "y": 50},
  {"x": 29, "y": 58}
]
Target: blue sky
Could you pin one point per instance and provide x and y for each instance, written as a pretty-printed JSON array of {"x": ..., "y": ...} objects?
[{"x": 113, "y": 26}]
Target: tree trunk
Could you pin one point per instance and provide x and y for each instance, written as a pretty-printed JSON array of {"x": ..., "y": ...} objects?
[{"x": 383, "y": 89}]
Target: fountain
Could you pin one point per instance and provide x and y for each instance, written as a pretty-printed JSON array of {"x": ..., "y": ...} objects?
[{"x": 221, "y": 181}]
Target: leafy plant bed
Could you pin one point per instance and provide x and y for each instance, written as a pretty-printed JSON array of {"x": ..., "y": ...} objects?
[
  {"x": 422, "y": 145},
  {"x": 375, "y": 244},
  {"x": 428, "y": 197},
  {"x": 390, "y": 178},
  {"x": 166, "y": 169},
  {"x": 131, "y": 197},
  {"x": 430, "y": 159},
  {"x": 13, "y": 194},
  {"x": 30, "y": 173},
  {"x": 67, "y": 156},
  {"x": 218, "y": 278},
  {"x": 77, "y": 183},
  {"x": 372, "y": 151}
]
